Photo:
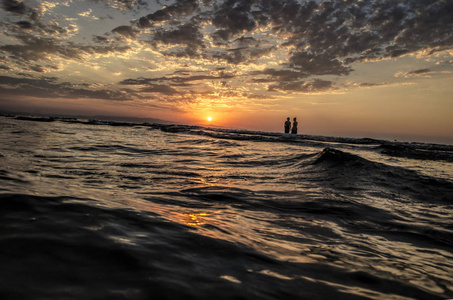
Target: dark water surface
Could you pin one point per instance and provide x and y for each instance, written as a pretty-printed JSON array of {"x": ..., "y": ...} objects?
[{"x": 101, "y": 210}]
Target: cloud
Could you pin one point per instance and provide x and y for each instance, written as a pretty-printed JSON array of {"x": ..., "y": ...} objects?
[
  {"x": 159, "y": 88},
  {"x": 321, "y": 64},
  {"x": 233, "y": 18},
  {"x": 100, "y": 39},
  {"x": 369, "y": 85},
  {"x": 178, "y": 80},
  {"x": 420, "y": 71},
  {"x": 289, "y": 81},
  {"x": 186, "y": 84},
  {"x": 49, "y": 87},
  {"x": 416, "y": 73},
  {"x": 314, "y": 86},
  {"x": 243, "y": 54},
  {"x": 38, "y": 41},
  {"x": 171, "y": 12},
  {"x": 307, "y": 45},
  {"x": 328, "y": 36},
  {"x": 38, "y": 68},
  {"x": 127, "y": 31},
  {"x": 14, "y": 6},
  {"x": 187, "y": 35},
  {"x": 24, "y": 24},
  {"x": 35, "y": 49},
  {"x": 324, "y": 38},
  {"x": 20, "y": 9},
  {"x": 272, "y": 75}
]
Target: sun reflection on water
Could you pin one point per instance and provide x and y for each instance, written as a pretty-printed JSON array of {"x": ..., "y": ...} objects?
[
  {"x": 208, "y": 182},
  {"x": 194, "y": 219}
]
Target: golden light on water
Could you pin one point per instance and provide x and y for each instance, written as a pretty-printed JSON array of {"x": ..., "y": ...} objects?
[
  {"x": 195, "y": 219},
  {"x": 208, "y": 182}
]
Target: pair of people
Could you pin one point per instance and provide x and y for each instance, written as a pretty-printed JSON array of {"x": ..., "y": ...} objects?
[{"x": 288, "y": 126}]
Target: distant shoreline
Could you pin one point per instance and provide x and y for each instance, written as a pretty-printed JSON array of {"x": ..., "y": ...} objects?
[{"x": 95, "y": 117}]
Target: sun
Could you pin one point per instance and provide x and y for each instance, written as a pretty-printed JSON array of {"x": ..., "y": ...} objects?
[{"x": 209, "y": 119}]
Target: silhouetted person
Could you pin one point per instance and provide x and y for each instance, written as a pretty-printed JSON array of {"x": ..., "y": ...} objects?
[
  {"x": 294, "y": 129},
  {"x": 287, "y": 125}
]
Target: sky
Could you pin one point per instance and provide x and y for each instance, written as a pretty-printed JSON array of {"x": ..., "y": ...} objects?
[{"x": 351, "y": 68}]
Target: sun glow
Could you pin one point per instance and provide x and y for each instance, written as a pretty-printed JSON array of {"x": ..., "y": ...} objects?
[{"x": 209, "y": 119}]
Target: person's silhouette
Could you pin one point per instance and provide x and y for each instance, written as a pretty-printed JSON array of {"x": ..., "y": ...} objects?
[
  {"x": 294, "y": 129},
  {"x": 287, "y": 125}
]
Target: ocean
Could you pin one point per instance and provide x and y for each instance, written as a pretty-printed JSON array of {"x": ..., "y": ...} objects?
[{"x": 109, "y": 210}]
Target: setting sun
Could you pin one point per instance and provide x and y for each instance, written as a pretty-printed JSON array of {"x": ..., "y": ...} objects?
[{"x": 209, "y": 119}]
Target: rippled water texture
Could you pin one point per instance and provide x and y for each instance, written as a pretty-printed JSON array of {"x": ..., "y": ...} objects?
[{"x": 101, "y": 210}]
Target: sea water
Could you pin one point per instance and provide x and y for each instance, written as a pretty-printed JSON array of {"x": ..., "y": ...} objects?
[{"x": 105, "y": 210}]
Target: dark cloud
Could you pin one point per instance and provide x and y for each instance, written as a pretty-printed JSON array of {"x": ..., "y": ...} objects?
[
  {"x": 234, "y": 17},
  {"x": 221, "y": 37},
  {"x": 285, "y": 16},
  {"x": 178, "y": 9},
  {"x": 19, "y": 8},
  {"x": 321, "y": 64},
  {"x": 260, "y": 52},
  {"x": 127, "y": 31},
  {"x": 138, "y": 81},
  {"x": 100, "y": 39},
  {"x": 420, "y": 71},
  {"x": 48, "y": 87},
  {"x": 24, "y": 24},
  {"x": 232, "y": 56},
  {"x": 367, "y": 84},
  {"x": 38, "y": 68},
  {"x": 396, "y": 51},
  {"x": 35, "y": 49},
  {"x": 173, "y": 80},
  {"x": 160, "y": 15},
  {"x": 14, "y": 6},
  {"x": 180, "y": 83},
  {"x": 244, "y": 54},
  {"x": 15, "y": 82},
  {"x": 328, "y": 36},
  {"x": 246, "y": 42},
  {"x": 272, "y": 75},
  {"x": 186, "y": 34},
  {"x": 325, "y": 37}
]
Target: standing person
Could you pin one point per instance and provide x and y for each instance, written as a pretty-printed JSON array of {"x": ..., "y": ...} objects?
[
  {"x": 294, "y": 129},
  {"x": 287, "y": 125}
]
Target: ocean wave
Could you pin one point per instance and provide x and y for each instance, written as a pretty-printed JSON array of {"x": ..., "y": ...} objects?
[
  {"x": 89, "y": 210},
  {"x": 122, "y": 253},
  {"x": 424, "y": 153},
  {"x": 12, "y": 177},
  {"x": 346, "y": 171}
]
